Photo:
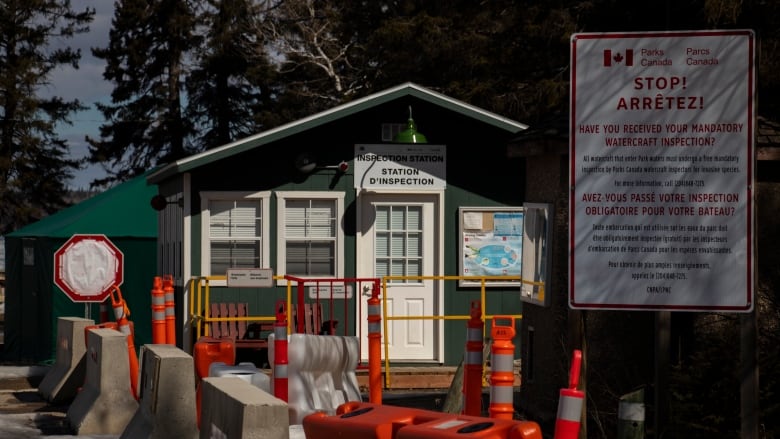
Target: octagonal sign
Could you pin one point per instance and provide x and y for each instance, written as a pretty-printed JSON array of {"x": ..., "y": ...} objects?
[{"x": 86, "y": 268}]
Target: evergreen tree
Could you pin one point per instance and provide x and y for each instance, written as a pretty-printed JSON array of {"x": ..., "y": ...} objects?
[
  {"x": 231, "y": 84},
  {"x": 34, "y": 162},
  {"x": 145, "y": 56}
]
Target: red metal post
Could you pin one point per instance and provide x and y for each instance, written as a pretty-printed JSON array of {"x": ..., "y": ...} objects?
[
  {"x": 281, "y": 389},
  {"x": 375, "y": 346},
  {"x": 472, "y": 369}
]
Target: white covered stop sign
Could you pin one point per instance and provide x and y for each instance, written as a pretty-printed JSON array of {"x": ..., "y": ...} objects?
[{"x": 86, "y": 268}]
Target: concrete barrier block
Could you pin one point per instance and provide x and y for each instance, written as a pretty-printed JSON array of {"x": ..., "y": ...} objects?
[
  {"x": 105, "y": 404},
  {"x": 67, "y": 375},
  {"x": 167, "y": 395},
  {"x": 233, "y": 408}
]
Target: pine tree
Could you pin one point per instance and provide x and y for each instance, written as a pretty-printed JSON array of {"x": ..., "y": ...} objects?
[
  {"x": 145, "y": 57},
  {"x": 35, "y": 166},
  {"x": 231, "y": 83}
]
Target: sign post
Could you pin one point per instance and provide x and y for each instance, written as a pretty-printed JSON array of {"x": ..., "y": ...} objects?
[
  {"x": 662, "y": 171},
  {"x": 86, "y": 268}
]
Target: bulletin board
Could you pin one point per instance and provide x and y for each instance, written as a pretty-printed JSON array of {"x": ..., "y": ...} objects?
[{"x": 491, "y": 244}]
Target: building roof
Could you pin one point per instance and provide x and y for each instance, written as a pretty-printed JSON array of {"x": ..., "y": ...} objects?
[
  {"x": 122, "y": 211},
  {"x": 339, "y": 112}
]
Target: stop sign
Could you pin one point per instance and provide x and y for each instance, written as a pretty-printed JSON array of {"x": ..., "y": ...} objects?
[{"x": 86, "y": 268}]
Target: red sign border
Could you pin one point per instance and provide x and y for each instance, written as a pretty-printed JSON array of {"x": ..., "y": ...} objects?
[{"x": 80, "y": 298}]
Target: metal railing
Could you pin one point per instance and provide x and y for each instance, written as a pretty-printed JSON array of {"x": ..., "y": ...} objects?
[{"x": 200, "y": 296}]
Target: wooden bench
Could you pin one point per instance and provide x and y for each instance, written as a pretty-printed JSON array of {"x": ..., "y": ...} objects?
[
  {"x": 243, "y": 333},
  {"x": 254, "y": 335}
]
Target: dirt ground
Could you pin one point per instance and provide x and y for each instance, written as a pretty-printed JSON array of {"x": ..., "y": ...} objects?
[{"x": 19, "y": 395}]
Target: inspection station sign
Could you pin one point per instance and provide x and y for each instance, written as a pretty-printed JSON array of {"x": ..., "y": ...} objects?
[
  {"x": 662, "y": 170},
  {"x": 417, "y": 166}
]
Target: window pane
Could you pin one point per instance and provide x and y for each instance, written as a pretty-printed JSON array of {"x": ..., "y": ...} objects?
[
  {"x": 234, "y": 219},
  {"x": 382, "y": 221},
  {"x": 397, "y": 222},
  {"x": 295, "y": 219},
  {"x": 399, "y": 247},
  {"x": 414, "y": 268},
  {"x": 414, "y": 245},
  {"x": 382, "y": 268},
  {"x": 414, "y": 218},
  {"x": 382, "y": 245},
  {"x": 235, "y": 234},
  {"x": 234, "y": 254},
  {"x": 307, "y": 258}
]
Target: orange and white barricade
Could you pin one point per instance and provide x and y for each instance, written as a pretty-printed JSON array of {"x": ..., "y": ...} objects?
[
  {"x": 567, "y": 423},
  {"x": 502, "y": 375},
  {"x": 158, "y": 311},
  {"x": 121, "y": 313},
  {"x": 170, "y": 310}
]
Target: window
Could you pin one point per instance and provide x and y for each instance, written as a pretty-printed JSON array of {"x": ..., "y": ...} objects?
[
  {"x": 310, "y": 237},
  {"x": 235, "y": 230},
  {"x": 398, "y": 241}
]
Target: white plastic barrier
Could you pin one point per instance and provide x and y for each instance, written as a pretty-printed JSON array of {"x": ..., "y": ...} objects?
[
  {"x": 246, "y": 371},
  {"x": 320, "y": 372}
]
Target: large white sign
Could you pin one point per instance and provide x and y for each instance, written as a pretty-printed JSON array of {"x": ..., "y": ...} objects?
[
  {"x": 662, "y": 170},
  {"x": 401, "y": 166}
]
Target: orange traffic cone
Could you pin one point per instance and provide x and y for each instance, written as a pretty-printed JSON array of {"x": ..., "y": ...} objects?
[{"x": 121, "y": 312}]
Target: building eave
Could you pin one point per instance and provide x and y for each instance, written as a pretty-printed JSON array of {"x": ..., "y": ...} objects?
[{"x": 333, "y": 114}]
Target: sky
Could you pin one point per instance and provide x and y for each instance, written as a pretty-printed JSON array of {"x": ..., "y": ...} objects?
[{"x": 87, "y": 85}]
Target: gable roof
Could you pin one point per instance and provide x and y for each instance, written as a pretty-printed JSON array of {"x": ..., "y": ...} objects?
[
  {"x": 122, "y": 211},
  {"x": 335, "y": 113}
]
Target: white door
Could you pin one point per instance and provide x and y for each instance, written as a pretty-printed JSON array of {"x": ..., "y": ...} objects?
[{"x": 398, "y": 236}]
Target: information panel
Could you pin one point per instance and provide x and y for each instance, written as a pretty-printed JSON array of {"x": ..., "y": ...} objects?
[{"x": 662, "y": 169}]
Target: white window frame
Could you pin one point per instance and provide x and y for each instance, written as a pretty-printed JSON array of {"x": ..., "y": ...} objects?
[
  {"x": 281, "y": 240},
  {"x": 263, "y": 198}
]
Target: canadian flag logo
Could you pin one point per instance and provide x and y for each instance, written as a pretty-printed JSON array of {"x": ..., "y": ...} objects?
[{"x": 618, "y": 58}]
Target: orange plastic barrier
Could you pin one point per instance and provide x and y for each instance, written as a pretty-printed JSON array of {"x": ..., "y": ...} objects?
[
  {"x": 472, "y": 369},
  {"x": 502, "y": 355},
  {"x": 121, "y": 313},
  {"x": 170, "y": 310},
  {"x": 208, "y": 350},
  {"x": 365, "y": 420},
  {"x": 471, "y": 427},
  {"x": 158, "y": 312}
]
